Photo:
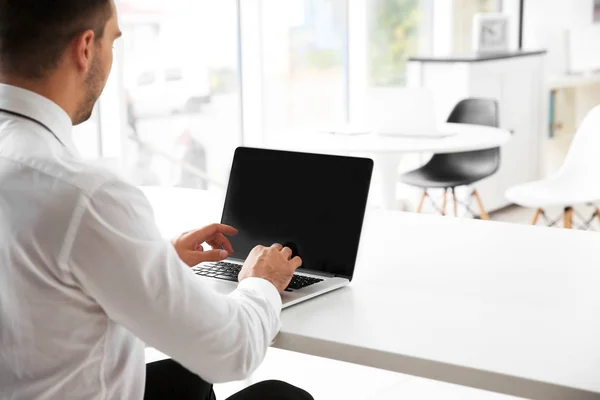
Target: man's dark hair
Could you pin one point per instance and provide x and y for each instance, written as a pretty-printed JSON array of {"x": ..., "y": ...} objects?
[{"x": 34, "y": 34}]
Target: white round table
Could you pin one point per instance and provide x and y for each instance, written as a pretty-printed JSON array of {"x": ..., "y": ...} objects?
[{"x": 387, "y": 150}]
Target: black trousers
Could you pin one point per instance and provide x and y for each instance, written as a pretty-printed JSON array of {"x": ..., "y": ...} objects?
[{"x": 168, "y": 380}]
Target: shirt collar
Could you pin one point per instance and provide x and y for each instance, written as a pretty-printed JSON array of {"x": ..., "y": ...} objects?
[{"x": 41, "y": 109}]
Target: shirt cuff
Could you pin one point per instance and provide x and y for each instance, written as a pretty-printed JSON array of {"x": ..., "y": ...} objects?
[{"x": 266, "y": 288}]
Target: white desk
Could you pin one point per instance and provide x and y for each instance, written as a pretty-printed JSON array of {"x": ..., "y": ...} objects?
[
  {"x": 506, "y": 308},
  {"x": 387, "y": 151}
]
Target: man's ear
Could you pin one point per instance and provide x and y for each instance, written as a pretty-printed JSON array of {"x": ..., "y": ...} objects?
[{"x": 83, "y": 50}]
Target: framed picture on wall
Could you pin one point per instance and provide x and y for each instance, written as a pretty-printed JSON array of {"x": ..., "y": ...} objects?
[
  {"x": 596, "y": 11},
  {"x": 491, "y": 33}
]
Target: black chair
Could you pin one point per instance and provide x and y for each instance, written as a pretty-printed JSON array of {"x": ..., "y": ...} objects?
[{"x": 449, "y": 171}]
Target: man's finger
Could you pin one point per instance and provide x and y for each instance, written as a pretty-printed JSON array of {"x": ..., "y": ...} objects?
[
  {"x": 277, "y": 246},
  {"x": 219, "y": 228},
  {"x": 209, "y": 256},
  {"x": 204, "y": 234},
  {"x": 296, "y": 262},
  {"x": 221, "y": 241},
  {"x": 287, "y": 253}
]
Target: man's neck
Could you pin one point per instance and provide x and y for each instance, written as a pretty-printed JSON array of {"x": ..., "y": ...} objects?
[{"x": 44, "y": 88}]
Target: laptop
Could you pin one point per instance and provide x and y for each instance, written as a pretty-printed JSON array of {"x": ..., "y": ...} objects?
[
  {"x": 314, "y": 204},
  {"x": 414, "y": 116}
]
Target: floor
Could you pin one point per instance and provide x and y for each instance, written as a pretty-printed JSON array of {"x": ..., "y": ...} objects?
[
  {"x": 327, "y": 379},
  {"x": 521, "y": 215},
  {"x": 331, "y": 380}
]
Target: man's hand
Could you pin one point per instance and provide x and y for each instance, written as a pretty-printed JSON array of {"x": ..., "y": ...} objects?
[
  {"x": 190, "y": 247},
  {"x": 274, "y": 264}
]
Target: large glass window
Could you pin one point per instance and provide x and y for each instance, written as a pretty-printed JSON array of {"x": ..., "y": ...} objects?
[
  {"x": 398, "y": 29},
  {"x": 178, "y": 82},
  {"x": 86, "y": 137},
  {"x": 182, "y": 90},
  {"x": 304, "y": 63}
]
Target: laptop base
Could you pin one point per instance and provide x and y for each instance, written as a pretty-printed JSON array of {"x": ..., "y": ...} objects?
[{"x": 288, "y": 298}]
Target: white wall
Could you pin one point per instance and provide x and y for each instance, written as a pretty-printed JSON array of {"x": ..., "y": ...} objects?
[
  {"x": 545, "y": 27},
  {"x": 546, "y": 22}
]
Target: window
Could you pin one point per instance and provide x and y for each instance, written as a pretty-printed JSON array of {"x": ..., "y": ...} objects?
[
  {"x": 86, "y": 137},
  {"x": 308, "y": 64},
  {"x": 398, "y": 29},
  {"x": 304, "y": 63},
  {"x": 146, "y": 78},
  {"x": 173, "y": 75},
  {"x": 180, "y": 78}
]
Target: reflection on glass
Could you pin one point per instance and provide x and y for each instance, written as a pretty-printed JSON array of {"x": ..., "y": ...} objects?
[{"x": 181, "y": 81}]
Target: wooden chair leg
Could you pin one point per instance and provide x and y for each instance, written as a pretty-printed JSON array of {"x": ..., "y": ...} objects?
[
  {"x": 422, "y": 202},
  {"x": 568, "y": 217},
  {"x": 484, "y": 215},
  {"x": 455, "y": 202},
  {"x": 598, "y": 214},
  {"x": 445, "y": 201},
  {"x": 537, "y": 216}
]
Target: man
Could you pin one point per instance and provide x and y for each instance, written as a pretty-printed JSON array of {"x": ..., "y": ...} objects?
[{"x": 85, "y": 278}]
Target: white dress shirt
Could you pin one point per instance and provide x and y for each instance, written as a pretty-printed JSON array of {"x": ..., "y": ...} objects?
[{"x": 86, "y": 279}]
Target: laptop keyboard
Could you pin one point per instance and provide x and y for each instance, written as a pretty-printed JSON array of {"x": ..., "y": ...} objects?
[{"x": 229, "y": 272}]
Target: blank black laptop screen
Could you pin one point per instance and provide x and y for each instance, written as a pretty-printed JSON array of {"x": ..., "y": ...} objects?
[{"x": 315, "y": 204}]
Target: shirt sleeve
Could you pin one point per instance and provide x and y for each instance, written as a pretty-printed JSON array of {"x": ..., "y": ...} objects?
[{"x": 121, "y": 261}]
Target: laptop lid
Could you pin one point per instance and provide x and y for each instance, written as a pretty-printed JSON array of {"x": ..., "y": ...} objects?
[{"x": 314, "y": 204}]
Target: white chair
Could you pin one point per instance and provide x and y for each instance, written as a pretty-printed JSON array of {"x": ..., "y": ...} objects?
[{"x": 576, "y": 183}]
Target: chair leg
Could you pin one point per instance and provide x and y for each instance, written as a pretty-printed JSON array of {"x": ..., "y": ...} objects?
[
  {"x": 422, "y": 202},
  {"x": 568, "y": 217},
  {"x": 537, "y": 216},
  {"x": 445, "y": 201},
  {"x": 484, "y": 215},
  {"x": 456, "y": 202}
]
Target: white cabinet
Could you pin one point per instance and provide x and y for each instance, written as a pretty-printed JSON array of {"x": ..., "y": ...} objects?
[{"x": 516, "y": 82}]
